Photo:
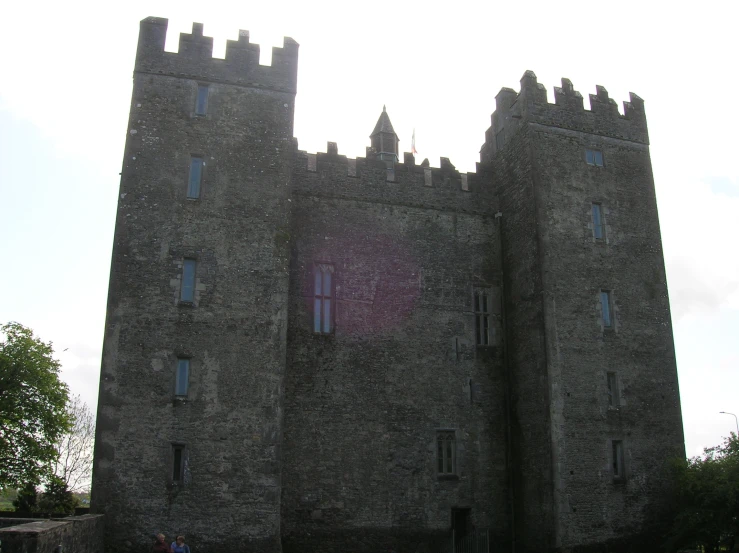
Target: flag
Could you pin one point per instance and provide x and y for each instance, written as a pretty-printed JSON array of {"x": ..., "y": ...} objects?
[{"x": 413, "y": 143}]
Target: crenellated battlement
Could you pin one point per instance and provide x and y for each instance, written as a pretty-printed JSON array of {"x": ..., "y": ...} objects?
[
  {"x": 367, "y": 178},
  {"x": 530, "y": 105},
  {"x": 195, "y": 60}
]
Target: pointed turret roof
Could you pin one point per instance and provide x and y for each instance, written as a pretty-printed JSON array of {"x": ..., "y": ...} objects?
[{"x": 383, "y": 124}]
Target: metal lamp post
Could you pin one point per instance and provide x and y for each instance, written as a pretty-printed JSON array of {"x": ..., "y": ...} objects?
[{"x": 735, "y": 420}]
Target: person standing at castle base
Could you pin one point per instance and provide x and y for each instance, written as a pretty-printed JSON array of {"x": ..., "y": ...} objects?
[
  {"x": 160, "y": 546},
  {"x": 179, "y": 546}
]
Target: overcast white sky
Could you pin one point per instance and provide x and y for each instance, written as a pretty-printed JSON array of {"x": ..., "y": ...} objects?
[{"x": 66, "y": 85}]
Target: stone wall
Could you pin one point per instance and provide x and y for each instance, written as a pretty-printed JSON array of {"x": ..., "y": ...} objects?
[
  {"x": 82, "y": 534},
  {"x": 364, "y": 403}
]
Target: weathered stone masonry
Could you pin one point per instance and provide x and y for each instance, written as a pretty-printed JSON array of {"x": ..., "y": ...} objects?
[{"x": 289, "y": 438}]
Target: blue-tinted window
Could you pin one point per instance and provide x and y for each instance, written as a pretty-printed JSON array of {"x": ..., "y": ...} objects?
[
  {"x": 323, "y": 292},
  {"x": 594, "y": 157},
  {"x": 183, "y": 377},
  {"x": 598, "y": 227},
  {"x": 187, "y": 291},
  {"x": 196, "y": 176},
  {"x": 201, "y": 105},
  {"x": 605, "y": 305}
]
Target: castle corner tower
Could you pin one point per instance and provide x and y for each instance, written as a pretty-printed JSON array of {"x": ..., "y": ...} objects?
[{"x": 190, "y": 412}]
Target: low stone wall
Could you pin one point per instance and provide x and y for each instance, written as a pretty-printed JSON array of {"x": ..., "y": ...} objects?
[
  {"x": 15, "y": 521},
  {"x": 83, "y": 534}
]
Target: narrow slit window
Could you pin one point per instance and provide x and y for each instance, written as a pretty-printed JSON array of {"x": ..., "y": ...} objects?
[
  {"x": 182, "y": 381},
  {"x": 598, "y": 226},
  {"x": 323, "y": 299},
  {"x": 482, "y": 317},
  {"x": 614, "y": 395},
  {"x": 446, "y": 452},
  {"x": 201, "y": 104},
  {"x": 187, "y": 290},
  {"x": 617, "y": 447},
  {"x": 196, "y": 177},
  {"x": 606, "y": 308},
  {"x": 178, "y": 462}
]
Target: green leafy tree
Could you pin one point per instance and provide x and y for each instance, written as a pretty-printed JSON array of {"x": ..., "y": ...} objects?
[
  {"x": 33, "y": 406},
  {"x": 57, "y": 499},
  {"x": 27, "y": 499},
  {"x": 707, "y": 500}
]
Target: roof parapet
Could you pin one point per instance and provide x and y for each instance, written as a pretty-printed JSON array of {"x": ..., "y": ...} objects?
[
  {"x": 369, "y": 170},
  {"x": 195, "y": 58},
  {"x": 530, "y": 104}
]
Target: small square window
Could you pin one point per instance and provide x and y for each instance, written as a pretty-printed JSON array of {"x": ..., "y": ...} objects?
[
  {"x": 617, "y": 458},
  {"x": 606, "y": 308},
  {"x": 182, "y": 381},
  {"x": 594, "y": 157},
  {"x": 482, "y": 317},
  {"x": 323, "y": 295},
  {"x": 178, "y": 463},
  {"x": 599, "y": 229},
  {"x": 201, "y": 104},
  {"x": 446, "y": 452},
  {"x": 187, "y": 288},
  {"x": 614, "y": 393},
  {"x": 196, "y": 177}
]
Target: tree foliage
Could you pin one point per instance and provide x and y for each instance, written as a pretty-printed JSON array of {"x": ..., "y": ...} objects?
[
  {"x": 57, "y": 499},
  {"x": 33, "y": 406},
  {"x": 73, "y": 464},
  {"x": 707, "y": 499},
  {"x": 27, "y": 499}
]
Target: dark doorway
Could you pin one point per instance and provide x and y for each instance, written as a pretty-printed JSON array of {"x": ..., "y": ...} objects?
[{"x": 461, "y": 524}]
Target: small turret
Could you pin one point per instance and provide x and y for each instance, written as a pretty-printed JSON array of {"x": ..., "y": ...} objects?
[{"x": 385, "y": 141}]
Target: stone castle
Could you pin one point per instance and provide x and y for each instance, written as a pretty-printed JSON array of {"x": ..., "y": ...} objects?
[{"x": 314, "y": 354}]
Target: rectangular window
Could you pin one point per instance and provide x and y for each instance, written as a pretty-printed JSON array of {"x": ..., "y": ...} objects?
[
  {"x": 201, "y": 104},
  {"x": 617, "y": 452},
  {"x": 182, "y": 382},
  {"x": 322, "y": 301},
  {"x": 499, "y": 140},
  {"x": 178, "y": 462},
  {"x": 187, "y": 290},
  {"x": 196, "y": 177},
  {"x": 482, "y": 317},
  {"x": 606, "y": 308},
  {"x": 594, "y": 157},
  {"x": 446, "y": 452},
  {"x": 614, "y": 395},
  {"x": 598, "y": 226}
]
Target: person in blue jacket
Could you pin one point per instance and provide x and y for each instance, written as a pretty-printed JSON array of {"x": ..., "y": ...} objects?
[{"x": 179, "y": 546}]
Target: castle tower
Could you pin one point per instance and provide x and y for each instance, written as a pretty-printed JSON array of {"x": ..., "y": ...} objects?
[
  {"x": 189, "y": 416},
  {"x": 384, "y": 140},
  {"x": 595, "y": 408}
]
